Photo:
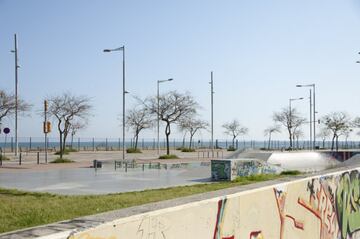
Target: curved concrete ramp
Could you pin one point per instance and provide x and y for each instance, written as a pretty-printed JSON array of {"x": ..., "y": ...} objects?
[{"x": 247, "y": 162}]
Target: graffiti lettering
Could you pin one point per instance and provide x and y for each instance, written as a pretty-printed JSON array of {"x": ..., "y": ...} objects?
[{"x": 348, "y": 204}]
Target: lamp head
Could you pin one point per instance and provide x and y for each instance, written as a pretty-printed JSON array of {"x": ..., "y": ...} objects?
[{"x": 107, "y": 50}]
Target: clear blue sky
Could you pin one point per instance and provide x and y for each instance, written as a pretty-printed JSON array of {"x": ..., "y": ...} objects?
[{"x": 258, "y": 50}]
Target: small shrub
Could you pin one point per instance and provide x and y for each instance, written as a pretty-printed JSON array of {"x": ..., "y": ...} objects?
[
  {"x": 170, "y": 156},
  {"x": 2, "y": 157},
  {"x": 290, "y": 172},
  {"x": 231, "y": 148},
  {"x": 59, "y": 160},
  {"x": 133, "y": 150},
  {"x": 67, "y": 151},
  {"x": 187, "y": 150}
]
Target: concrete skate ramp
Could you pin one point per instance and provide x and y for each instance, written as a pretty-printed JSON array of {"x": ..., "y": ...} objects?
[
  {"x": 249, "y": 162},
  {"x": 313, "y": 161}
]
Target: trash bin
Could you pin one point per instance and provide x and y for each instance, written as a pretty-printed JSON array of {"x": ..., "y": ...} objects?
[{"x": 97, "y": 164}]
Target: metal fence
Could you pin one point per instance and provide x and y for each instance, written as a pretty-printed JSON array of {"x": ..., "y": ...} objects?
[{"x": 112, "y": 144}]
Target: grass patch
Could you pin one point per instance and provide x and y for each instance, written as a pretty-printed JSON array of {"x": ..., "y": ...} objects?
[
  {"x": 66, "y": 151},
  {"x": 168, "y": 156},
  {"x": 187, "y": 150},
  {"x": 255, "y": 178},
  {"x": 290, "y": 172},
  {"x": 133, "y": 151},
  {"x": 4, "y": 158},
  {"x": 21, "y": 209},
  {"x": 231, "y": 148},
  {"x": 63, "y": 160}
]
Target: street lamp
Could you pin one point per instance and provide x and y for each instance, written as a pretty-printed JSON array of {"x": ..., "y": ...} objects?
[
  {"x": 15, "y": 51},
  {"x": 212, "y": 114},
  {"x": 290, "y": 119},
  {"x": 158, "y": 113},
  {"x": 124, "y": 92},
  {"x": 314, "y": 111}
]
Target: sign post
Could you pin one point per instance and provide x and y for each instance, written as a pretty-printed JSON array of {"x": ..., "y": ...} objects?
[{"x": 6, "y": 132}]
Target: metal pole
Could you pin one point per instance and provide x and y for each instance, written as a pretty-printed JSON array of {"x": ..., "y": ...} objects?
[
  {"x": 212, "y": 115},
  {"x": 123, "y": 155},
  {"x": 314, "y": 117},
  {"x": 310, "y": 141},
  {"x": 290, "y": 123},
  {"x": 45, "y": 131},
  {"x": 16, "y": 95},
  {"x": 158, "y": 120}
]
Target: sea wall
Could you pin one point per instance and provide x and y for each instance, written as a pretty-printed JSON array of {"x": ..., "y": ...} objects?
[{"x": 323, "y": 207}]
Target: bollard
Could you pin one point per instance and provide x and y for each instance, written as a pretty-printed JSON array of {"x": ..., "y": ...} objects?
[
  {"x": 20, "y": 159},
  {"x": 158, "y": 165},
  {"x": 95, "y": 165},
  {"x": 115, "y": 165},
  {"x": 143, "y": 167},
  {"x": 150, "y": 165},
  {"x": 38, "y": 157},
  {"x": 165, "y": 165},
  {"x": 217, "y": 154},
  {"x": 126, "y": 166}
]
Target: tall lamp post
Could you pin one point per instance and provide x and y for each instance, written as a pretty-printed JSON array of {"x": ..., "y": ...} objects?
[
  {"x": 158, "y": 114},
  {"x": 314, "y": 112},
  {"x": 212, "y": 114},
  {"x": 15, "y": 51},
  {"x": 124, "y": 92},
  {"x": 290, "y": 119}
]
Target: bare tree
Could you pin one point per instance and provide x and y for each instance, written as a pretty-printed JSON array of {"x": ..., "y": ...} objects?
[
  {"x": 323, "y": 134},
  {"x": 234, "y": 129},
  {"x": 270, "y": 130},
  {"x": 192, "y": 125},
  {"x": 8, "y": 105},
  {"x": 173, "y": 107},
  {"x": 75, "y": 127},
  {"x": 137, "y": 119},
  {"x": 66, "y": 109},
  {"x": 290, "y": 120},
  {"x": 297, "y": 134},
  {"x": 338, "y": 123}
]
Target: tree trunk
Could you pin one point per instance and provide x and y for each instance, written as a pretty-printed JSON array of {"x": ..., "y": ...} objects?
[
  {"x": 290, "y": 139},
  {"x": 337, "y": 143},
  {"x": 61, "y": 141},
  {"x": 64, "y": 141},
  {"x": 183, "y": 142},
  {"x": 269, "y": 141},
  {"x": 190, "y": 143},
  {"x": 323, "y": 143},
  {"x": 136, "y": 141},
  {"x": 332, "y": 142},
  {"x": 233, "y": 141},
  {"x": 167, "y": 133}
]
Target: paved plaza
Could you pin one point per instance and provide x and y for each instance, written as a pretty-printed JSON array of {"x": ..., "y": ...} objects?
[{"x": 81, "y": 178}]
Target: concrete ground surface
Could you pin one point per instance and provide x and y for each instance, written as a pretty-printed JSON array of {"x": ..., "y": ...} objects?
[{"x": 81, "y": 178}]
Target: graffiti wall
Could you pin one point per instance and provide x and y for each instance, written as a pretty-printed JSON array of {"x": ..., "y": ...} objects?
[
  {"x": 325, "y": 207},
  {"x": 229, "y": 169}
]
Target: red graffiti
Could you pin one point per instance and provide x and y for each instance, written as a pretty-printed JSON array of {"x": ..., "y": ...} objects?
[
  {"x": 321, "y": 206},
  {"x": 255, "y": 234},
  {"x": 280, "y": 202}
]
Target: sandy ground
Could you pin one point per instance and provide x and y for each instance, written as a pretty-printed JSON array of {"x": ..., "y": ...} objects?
[{"x": 85, "y": 159}]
